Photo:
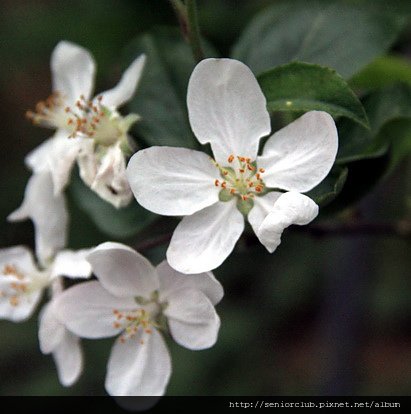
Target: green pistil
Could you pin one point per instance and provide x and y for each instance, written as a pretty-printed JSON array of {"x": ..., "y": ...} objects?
[{"x": 245, "y": 206}]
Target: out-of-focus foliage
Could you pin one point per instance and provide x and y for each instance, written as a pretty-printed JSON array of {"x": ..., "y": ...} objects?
[
  {"x": 383, "y": 71},
  {"x": 330, "y": 187},
  {"x": 118, "y": 223},
  {"x": 161, "y": 98},
  {"x": 343, "y": 35},
  {"x": 383, "y": 106}
]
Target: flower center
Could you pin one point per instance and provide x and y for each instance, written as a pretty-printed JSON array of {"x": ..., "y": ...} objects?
[
  {"x": 50, "y": 113},
  {"x": 142, "y": 319},
  {"x": 17, "y": 286},
  {"x": 241, "y": 179},
  {"x": 91, "y": 119},
  {"x": 87, "y": 119}
]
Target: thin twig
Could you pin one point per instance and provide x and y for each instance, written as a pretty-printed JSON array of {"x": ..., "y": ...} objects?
[{"x": 400, "y": 229}]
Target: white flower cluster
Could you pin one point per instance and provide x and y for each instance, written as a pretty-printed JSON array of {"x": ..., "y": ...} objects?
[{"x": 130, "y": 298}]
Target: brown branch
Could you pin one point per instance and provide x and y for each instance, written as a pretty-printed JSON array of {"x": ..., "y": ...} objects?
[{"x": 400, "y": 229}]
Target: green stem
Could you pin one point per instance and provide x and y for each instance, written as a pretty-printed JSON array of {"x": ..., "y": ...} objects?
[
  {"x": 194, "y": 30},
  {"x": 187, "y": 17}
]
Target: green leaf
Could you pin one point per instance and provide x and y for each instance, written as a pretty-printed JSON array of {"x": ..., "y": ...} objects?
[
  {"x": 119, "y": 223},
  {"x": 398, "y": 134},
  {"x": 382, "y": 72},
  {"x": 302, "y": 86},
  {"x": 161, "y": 96},
  {"x": 330, "y": 187},
  {"x": 382, "y": 106},
  {"x": 363, "y": 176},
  {"x": 339, "y": 34}
]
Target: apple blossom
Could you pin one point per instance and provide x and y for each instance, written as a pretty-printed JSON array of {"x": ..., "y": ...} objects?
[
  {"x": 227, "y": 109},
  {"x": 136, "y": 301},
  {"x": 22, "y": 281},
  {"x": 22, "y": 284},
  {"x": 85, "y": 127}
]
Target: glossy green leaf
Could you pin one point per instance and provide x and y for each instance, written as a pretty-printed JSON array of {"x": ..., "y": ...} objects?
[
  {"x": 382, "y": 106},
  {"x": 340, "y": 34},
  {"x": 161, "y": 96},
  {"x": 118, "y": 223},
  {"x": 302, "y": 86},
  {"x": 330, "y": 187}
]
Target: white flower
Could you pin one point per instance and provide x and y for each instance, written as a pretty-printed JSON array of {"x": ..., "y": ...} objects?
[
  {"x": 228, "y": 110},
  {"x": 22, "y": 282},
  {"x": 55, "y": 339},
  {"x": 82, "y": 123},
  {"x": 136, "y": 301},
  {"x": 49, "y": 214},
  {"x": 105, "y": 172}
]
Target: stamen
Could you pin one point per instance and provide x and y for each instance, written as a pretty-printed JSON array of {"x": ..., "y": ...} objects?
[
  {"x": 11, "y": 270},
  {"x": 131, "y": 322},
  {"x": 230, "y": 158},
  {"x": 14, "y": 301}
]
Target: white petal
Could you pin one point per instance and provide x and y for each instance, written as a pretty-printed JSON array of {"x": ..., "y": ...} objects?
[
  {"x": 290, "y": 208},
  {"x": 123, "y": 271},
  {"x": 192, "y": 319},
  {"x": 51, "y": 330},
  {"x": 68, "y": 357},
  {"x": 56, "y": 155},
  {"x": 48, "y": 213},
  {"x": 38, "y": 159},
  {"x": 87, "y": 161},
  {"x": 86, "y": 309},
  {"x": 227, "y": 108},
  {"x": 172, "y": 281},
  {"x": 17, "y": 268},
  {"x": 25, "y": 305},
  {"x": 202, "y": 242},
  {"x": 20, "y": 257},
  {"x": 110, "y": 182},
  {"x": 173, "y": 181},
  {"x": 126, "y": 88},
  {"x": 136, "y": 369},
  {"x": 62, "y": 157},
  {"x": 262, "y": 206},
  {"x": 73, "y": 71},
  {"x": 299, "y": 156},
  {"x": 72, "y": 264}
]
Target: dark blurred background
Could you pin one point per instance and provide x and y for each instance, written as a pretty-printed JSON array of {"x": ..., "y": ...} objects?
[{"x": 325, "y": 315}]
